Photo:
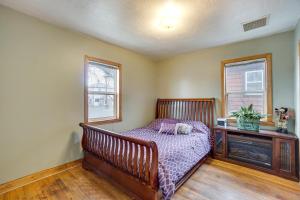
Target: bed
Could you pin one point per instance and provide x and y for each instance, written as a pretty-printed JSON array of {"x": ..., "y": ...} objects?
[{"x": 148, "y": 165}]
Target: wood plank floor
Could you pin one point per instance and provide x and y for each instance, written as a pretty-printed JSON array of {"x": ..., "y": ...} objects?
[{"x": 215, "y": 180}]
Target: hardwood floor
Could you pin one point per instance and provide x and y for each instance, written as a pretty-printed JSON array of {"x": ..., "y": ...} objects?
[{"x": 215, "y": 180}]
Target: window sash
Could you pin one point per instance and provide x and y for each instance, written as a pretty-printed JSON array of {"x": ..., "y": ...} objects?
[
  {"x": 115, "y": 106},
  {"x": 262, "y": 93},
  {"x": 247, "y": 92}
]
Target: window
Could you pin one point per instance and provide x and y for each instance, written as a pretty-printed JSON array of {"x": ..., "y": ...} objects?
[
  {"x": 102, "y": 91},
  {"x": 247, "y": 81}
]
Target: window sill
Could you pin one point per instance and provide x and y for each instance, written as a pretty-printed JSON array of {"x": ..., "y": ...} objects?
[
  {"x": 262, "y": 122},
  {"x": 104, "y": 121}
]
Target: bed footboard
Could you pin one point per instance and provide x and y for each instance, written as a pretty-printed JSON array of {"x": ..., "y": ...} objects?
[{"x": 130, "y": 162}]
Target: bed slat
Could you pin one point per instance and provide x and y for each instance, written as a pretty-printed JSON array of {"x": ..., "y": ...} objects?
[
  {"x": 135, "y": 159},
  {"x": 187, "y": 109}
]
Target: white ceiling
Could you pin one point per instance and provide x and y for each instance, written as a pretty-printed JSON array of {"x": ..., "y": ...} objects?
[{"x": 132, "y": 24}]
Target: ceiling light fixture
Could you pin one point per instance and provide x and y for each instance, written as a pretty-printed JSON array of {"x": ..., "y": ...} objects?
[{"x": 169, "y": 17}]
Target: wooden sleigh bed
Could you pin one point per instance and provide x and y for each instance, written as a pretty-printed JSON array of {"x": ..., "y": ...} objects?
[{"x": 109, "y": 154}]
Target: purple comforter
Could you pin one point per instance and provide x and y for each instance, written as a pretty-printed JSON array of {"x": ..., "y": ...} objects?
[{"x": 177, "y": 154}]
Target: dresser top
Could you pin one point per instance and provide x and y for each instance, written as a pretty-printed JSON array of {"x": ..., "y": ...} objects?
[{"x": 261, "y": 132}]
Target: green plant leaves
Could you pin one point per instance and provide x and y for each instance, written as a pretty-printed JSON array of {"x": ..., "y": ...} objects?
[{"x": 248, "y": 114}]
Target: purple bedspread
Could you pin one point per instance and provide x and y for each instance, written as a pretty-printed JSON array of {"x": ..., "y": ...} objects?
[{"x": 177, "y": 154}]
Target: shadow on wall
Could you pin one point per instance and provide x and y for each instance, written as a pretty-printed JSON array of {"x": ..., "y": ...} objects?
[
  {"x": 218, "y": 108},
  {"x": 292, "y": 119},
  {"x": 73, "y": 150}
]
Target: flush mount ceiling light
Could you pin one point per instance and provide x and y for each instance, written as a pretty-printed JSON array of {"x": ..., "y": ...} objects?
[{"x": 169, "y": 15}]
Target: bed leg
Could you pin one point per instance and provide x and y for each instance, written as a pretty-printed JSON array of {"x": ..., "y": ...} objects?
[{"x": 85, "y": 165}]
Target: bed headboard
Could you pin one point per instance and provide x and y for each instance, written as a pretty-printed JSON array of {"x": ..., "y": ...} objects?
[{"x": 198, "y": 109}]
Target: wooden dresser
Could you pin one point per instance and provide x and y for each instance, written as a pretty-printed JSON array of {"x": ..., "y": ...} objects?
[{"x": 268, "y": 151}]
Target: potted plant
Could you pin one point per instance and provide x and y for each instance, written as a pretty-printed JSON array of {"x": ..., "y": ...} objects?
[{"x": 247, "y": 118}]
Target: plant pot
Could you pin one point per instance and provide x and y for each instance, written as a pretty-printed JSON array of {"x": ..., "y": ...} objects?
[{"x": 249, "y": 125}]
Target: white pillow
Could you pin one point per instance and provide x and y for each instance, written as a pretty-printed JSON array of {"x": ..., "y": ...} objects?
[{"x": 183, "y": 129}]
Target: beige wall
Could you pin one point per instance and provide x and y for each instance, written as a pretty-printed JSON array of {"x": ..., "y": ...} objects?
[
  {"x": 297, "y": 77},
  {"x": 197, "y": 74},
  {"x": 41, "y": 84}
]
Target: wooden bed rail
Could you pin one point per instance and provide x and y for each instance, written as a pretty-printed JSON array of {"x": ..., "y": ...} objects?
[{"x": 133, "y": 156}]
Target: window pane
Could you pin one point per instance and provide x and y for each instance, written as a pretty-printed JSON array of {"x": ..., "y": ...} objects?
[
  {"x": 254, "y": 86},
  {"x": 236, "y": 75},
  {"x": 245, "y": 85},
  {"x": 236, "y": 100},
  {"x": 101, "y": 106},
  {"x": 102, "y": 78},
  {"x": 254, "y": 80},
  {"x": 254, "y": 76}
]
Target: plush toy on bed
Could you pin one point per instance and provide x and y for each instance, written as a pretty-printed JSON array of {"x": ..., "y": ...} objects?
[{"x": 183, "y": 129}]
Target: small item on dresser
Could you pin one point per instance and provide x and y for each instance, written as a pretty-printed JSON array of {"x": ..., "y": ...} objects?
[
  {"x": 282, "y": 117},
  {"x": 222, "y": 122},
  {"x": 183, "y": 129}
]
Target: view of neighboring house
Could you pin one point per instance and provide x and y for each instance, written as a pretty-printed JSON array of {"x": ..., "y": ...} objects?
[
  {"x": 102, "y": 90},
  {"x": 245, "y": 84}
]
